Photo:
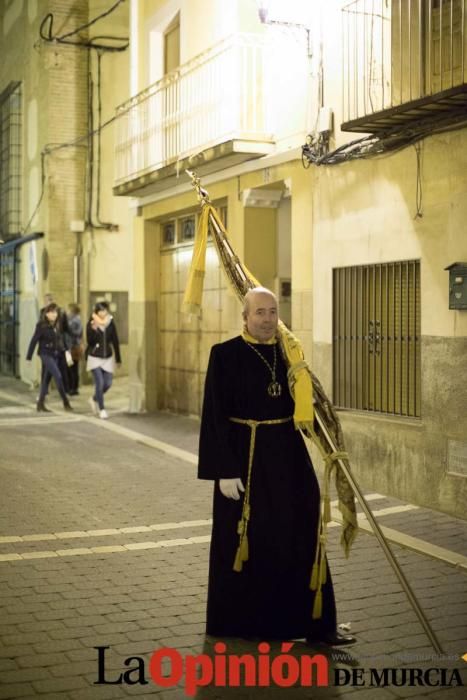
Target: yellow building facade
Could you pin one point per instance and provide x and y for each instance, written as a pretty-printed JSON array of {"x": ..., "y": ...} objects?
[
  {"x": 332, "y": 139},
  {"x": 59, "y": 87},
  {"x": 356, "y": 248},
  {"x": 210, "y": 80},
  {"x": 391, "y": 352}
]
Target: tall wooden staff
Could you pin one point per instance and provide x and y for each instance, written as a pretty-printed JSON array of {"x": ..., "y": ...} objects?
[{"x": 325, "y": 430}]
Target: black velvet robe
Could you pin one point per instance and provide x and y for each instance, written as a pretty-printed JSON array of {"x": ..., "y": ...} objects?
[{"x": 270, "y": 597}]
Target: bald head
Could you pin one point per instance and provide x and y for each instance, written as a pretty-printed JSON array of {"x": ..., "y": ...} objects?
[
  {"x": 260, "y": 313},
  {"x": 253, "y": 293}
]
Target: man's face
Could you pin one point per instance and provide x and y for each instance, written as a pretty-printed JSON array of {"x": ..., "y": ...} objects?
[{"x": 261, "y": 318}]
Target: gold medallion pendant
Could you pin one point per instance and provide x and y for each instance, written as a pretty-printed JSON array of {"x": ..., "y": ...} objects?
[{"x": 274, "y": 389}]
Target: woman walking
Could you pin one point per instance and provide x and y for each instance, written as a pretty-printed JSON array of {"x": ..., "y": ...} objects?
[
  {"x": 102, "y": 338},
  {"x": 51, "y": 346}
]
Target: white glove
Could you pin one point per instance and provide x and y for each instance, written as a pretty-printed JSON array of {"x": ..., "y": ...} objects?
[{"x": 230, "y": 488}]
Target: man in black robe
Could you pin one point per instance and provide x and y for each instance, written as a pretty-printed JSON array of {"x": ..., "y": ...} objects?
[{"x": 260, "y": 560}]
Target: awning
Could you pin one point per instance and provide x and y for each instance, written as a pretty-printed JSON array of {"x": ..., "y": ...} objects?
[{"x": 10, "y": 245}]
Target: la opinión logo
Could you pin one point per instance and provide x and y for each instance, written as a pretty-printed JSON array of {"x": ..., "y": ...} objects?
[
  {"x": 167, "y": 668},
  {"x": 222, "y": 670}
]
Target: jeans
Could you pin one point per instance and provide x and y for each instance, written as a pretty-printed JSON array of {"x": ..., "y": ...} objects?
[
  {"x": 62, "y": 366},
  {"x": 50, "y": 367},
  {"x": 102, "y": 383}
]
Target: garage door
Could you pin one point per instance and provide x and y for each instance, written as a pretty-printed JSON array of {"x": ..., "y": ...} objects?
[{"x": 185, "y": 341}]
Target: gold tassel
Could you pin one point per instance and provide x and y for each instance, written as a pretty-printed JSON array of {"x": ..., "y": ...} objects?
[
  {"x": 244, "y": 548},
  {"x": 326, "y": 509},
  {"x": 318, "y": 605},
  {"x": 314, "y": 577},
  {"x": 242, "y": 554},
  {"x": 323, "y": 576},
  {"x": 238, "y": 563}
]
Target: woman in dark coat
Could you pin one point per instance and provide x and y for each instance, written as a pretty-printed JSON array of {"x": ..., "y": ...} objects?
[
  {"x": 103, "y": 345},
  {"x": 51, "y": 346}
]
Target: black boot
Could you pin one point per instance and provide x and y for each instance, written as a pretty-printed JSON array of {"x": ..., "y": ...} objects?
[
  {"x": 333, "y": 640},
  {"x": 67, "y": 406},
  {"x": 40, "y": 406}
]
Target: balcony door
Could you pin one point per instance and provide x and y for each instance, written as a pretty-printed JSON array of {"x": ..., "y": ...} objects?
[
  {"x": 426, "y": 46},
  {"x": 170, "y": 94},
  {"x": 445, "y": 50}
]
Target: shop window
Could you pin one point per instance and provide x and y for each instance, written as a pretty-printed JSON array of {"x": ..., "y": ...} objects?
[
  {"x": 182, "y": 230},
  {"x": 168, "y": 233}
]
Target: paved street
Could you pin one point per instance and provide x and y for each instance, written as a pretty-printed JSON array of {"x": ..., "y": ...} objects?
[{"x": 104, "y": 539}]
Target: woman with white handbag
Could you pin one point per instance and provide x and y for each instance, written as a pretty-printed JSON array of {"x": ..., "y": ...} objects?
[{"x": 103, "y": 353}]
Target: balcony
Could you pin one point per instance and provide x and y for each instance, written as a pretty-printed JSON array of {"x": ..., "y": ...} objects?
[
  {"x": 211, "y": 113},
  {"x": 405, "y": 61}
]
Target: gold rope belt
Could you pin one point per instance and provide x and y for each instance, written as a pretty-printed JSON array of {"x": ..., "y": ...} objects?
[{"x": 242, "y": 527}]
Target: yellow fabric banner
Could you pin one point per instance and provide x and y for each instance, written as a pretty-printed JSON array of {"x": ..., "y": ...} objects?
[{"x": 194, "y": 289}]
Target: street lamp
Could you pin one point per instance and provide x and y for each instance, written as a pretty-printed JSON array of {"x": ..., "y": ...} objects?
[
  {"x": 264, "y": 7},
  {"x": 263, "y": 11}
]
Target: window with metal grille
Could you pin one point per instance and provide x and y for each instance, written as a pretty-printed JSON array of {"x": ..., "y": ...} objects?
[
  {"x": 10, "y": 161},
  {"x": 376, "y": 337}
]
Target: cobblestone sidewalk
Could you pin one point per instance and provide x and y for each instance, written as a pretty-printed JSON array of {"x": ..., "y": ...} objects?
[{"x": 104, "y": 538}]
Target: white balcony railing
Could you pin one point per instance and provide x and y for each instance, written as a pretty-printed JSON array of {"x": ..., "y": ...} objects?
[{"x": 224, "y": 93}]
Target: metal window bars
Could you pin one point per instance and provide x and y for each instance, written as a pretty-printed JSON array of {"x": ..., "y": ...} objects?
[{"x": 376, "y": 338}]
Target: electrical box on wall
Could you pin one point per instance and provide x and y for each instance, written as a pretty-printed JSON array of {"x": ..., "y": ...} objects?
[
  {"x": 285, "y": 289},
  {"x": 325, "y": 120},
  {"x": 78, "y": 226},
  {"x": 457, "y": 285},
  {"x": 283, "y": 292}
]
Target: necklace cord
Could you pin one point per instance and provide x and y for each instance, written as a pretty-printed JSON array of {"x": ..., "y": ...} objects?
[{"x": 274, "y": 387}]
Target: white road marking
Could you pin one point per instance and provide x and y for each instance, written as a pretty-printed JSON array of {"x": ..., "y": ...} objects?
[
  {"x": 390, "y": 510},
  {"x": 133, "y": 546},
  {"x": 43, "y": 419},
  {"x": 165, "y": 447},
  {"x": 15, "y": 410},
  {"x": 142, "y": 439},
  {"x": 409, "y": 542},
  {"x": 109, "y": 549},
  {"x": 16, "y": 399},
  {"x": 368, "y": 497},
  {"x": 361, "y": 517},
  {"x": 8, "y": 539},
  {"x": 392, "y": 535}
]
